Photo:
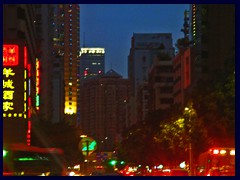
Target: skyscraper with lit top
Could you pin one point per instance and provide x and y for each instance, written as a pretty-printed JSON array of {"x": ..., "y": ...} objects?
[{"x": 92, "y": 62}]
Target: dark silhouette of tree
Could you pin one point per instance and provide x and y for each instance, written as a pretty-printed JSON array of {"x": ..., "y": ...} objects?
[{"x": 59, "y": 135}]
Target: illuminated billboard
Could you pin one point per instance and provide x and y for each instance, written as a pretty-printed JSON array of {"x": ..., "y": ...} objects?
[
  {"x": 14, "y": 81},
  {"x": 10, "y": 55}
]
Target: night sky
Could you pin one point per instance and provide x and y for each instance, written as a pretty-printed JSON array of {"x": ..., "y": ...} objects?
[{"x": 111, "y": 26}]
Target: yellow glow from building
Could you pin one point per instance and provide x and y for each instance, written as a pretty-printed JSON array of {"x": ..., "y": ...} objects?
[
  {"x": 70, "y": 109},
  {"x": 223, "y": 152},
  {"x": 92, "y": 50},
  {"x": 232, "y": 152}
]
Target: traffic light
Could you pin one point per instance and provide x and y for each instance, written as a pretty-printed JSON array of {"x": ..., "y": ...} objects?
[
  {"x": 112, "y": 162},
  {"x": 122, "y": 162}
]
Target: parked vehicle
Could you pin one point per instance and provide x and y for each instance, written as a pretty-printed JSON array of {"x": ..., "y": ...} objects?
[{"x": 179, "y": 172}]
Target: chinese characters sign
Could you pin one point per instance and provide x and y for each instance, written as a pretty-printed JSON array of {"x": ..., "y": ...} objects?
[
  {"x": 14, "y": 83},
  {"x": 8, "y": 89},
  {"x": 10, "y": 55}
]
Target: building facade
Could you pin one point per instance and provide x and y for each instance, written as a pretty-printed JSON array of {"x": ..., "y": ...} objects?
[
  {"x": 104, "y": 109},
  {"x": 144, "y": 48},
  {"x": 183, "y": 70},
  {"x": 160, "y": 84},
  {"x": 209, "y": 38}
]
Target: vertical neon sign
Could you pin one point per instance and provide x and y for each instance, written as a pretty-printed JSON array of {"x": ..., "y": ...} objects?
[
  {"x": 10, "y": 59},
  {"x": 15, "y": 96},
  {"x": 37, "y": 83},
  {"x": 28, "y": 67}
]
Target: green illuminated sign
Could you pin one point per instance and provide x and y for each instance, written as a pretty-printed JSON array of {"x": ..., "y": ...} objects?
[
  {"x": 91, "y": 146},
  {"x": 87, "y": 145},
  {"x": 25, "y": 159},
  {"x": 5, "y": 153}
]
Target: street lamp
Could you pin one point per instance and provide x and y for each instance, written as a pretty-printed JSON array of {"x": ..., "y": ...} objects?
[{"x": 188, "y": 111}]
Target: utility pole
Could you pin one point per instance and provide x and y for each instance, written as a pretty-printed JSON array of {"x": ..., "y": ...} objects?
[
  {"x": 190, "y": 159},
  {"x": 87, "y": 144},
  {"x": 188, "y": 112}
]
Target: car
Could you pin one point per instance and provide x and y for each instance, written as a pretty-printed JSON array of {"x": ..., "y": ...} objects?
[{"x": 179, "y": 172}]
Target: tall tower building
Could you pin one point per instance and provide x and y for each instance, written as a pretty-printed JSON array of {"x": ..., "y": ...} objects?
[
  {"x": 104, "y": 108},
  {"x": 20, "y": 77},
  {"x": 66, "y": 47},
  {"x": 213, "y": 43},
  {"x": 92, "y": 63},
  {"x": 45, "y": 32},
  {"x": 144, "y": 48}
]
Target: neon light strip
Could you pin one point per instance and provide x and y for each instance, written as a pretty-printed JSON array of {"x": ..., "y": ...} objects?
[{"x": 25, "y": 57}]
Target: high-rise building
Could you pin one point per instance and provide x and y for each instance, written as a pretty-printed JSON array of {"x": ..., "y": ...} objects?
[
  {"x": 104, "y": 108},
  {"x": 144, "y": 48},
  {"x": 209, "y": 50},
  {"x": 214, "y": 44},
  {"x": 20, "y": 72},
  {"x": 45, "y": 32},
  {"x": 66, "y": 46},
  {"x": 92, "y": 62}
]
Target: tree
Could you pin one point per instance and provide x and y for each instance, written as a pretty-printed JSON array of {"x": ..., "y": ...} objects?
[{"x": 176, "y": 134}]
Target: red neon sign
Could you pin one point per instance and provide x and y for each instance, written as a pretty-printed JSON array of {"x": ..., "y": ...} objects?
[{"x": 10, "y": 55}]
